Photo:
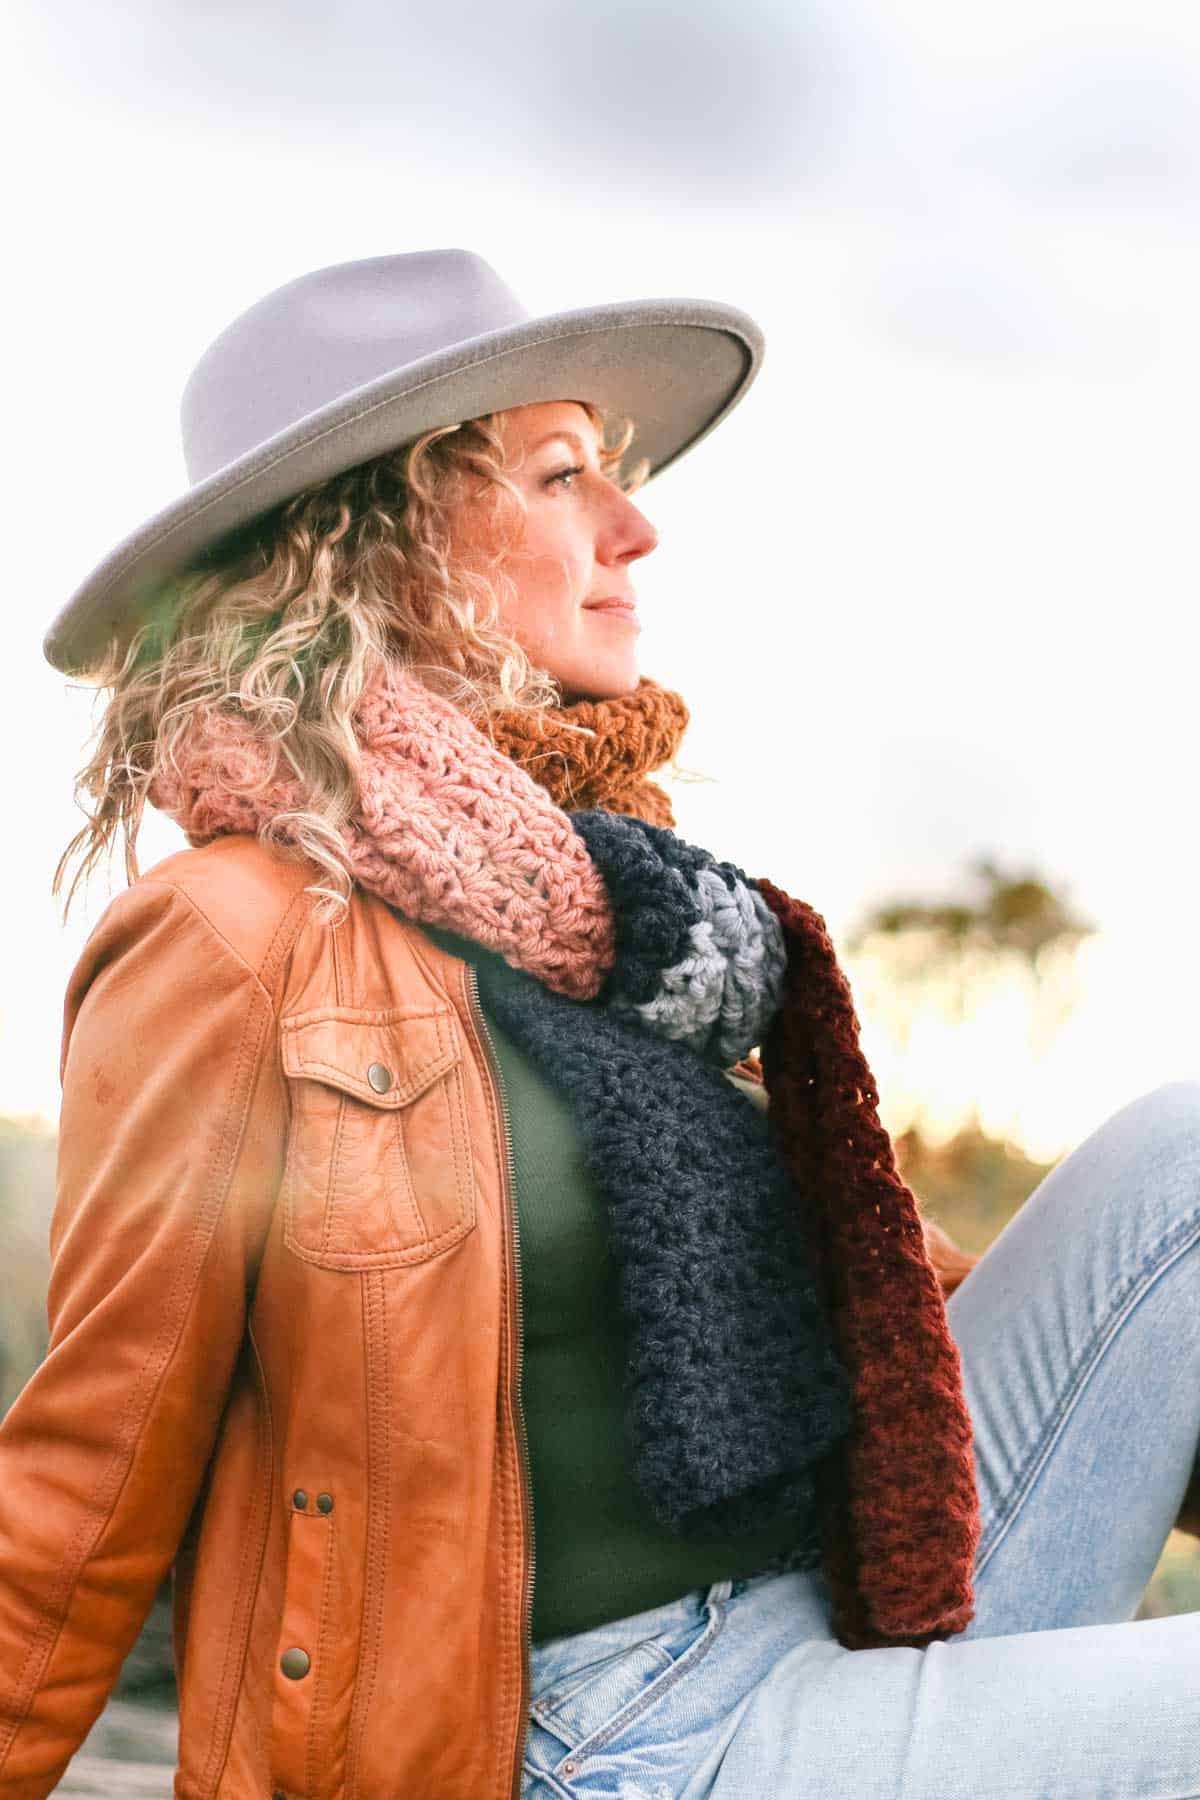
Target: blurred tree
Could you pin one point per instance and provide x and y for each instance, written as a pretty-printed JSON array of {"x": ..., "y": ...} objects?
[
  {"x": 909, "y": 955},
  {"x": 1015, "y": 912},
  {"x": 972, "y": 1184},
  {"x": 1016, "y": 935}
]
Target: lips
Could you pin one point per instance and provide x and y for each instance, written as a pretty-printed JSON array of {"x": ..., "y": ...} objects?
[{"x": 610, "y": 605}]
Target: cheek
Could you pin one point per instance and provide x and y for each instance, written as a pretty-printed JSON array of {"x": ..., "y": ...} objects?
[{"x": 551, "y": 575}]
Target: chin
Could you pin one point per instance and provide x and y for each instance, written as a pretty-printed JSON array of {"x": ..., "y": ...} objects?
[{"x": 600, "y": 686}]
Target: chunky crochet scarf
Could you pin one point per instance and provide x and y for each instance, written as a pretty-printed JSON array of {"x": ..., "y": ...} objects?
[
  {"x": 734, "y": 1391},
  {"x": 654, "y": 968}
]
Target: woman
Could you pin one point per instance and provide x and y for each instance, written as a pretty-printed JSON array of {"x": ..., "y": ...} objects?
[{"x": 419, "y": 1201}]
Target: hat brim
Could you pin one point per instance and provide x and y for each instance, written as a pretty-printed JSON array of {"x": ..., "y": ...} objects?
[{"x": 675, "y": 367}]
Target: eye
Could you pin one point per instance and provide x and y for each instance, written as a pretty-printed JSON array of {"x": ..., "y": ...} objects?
[{"x": 564, "y": 475}]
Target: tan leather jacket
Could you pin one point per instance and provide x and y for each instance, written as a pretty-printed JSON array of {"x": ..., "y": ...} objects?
[{"x": 285, "y": 1356}]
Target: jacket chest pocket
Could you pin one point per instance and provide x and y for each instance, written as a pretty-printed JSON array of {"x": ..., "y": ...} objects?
[{"x": 379, "y": 1169}]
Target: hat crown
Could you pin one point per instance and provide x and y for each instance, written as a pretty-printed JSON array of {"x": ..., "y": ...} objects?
[{"x": 322, "y": 336}]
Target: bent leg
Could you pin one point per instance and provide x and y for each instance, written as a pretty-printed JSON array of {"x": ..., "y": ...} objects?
[
  {"x": 746, "y": 1695},
  {"x": 1079, "y": 1334},
  {"x": 1102, "y": 1712}
]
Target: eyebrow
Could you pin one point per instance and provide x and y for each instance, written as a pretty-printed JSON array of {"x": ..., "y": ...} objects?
[{"x": 571, "y": 437}]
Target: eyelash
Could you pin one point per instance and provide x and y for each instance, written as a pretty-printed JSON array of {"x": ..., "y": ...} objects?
[{"x": 576, "y": 470}]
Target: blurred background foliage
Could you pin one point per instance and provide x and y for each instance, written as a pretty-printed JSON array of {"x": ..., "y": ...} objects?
[{"x": 910, "y": 956}]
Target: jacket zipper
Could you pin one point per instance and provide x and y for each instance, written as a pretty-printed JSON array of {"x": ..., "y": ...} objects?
[{"x": 514, "y": 1241}]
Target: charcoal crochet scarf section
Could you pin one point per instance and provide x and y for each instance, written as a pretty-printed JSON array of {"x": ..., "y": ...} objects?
[{"x": 733, "y": 1389}]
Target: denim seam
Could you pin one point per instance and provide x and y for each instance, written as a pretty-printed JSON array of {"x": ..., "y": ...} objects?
[
  {"x": 654, "y": 1691},
  {"x": 545, "y": 1780},
  {"x": 554, "y": 1698},
  {"x": 1154, "y": 1266}
]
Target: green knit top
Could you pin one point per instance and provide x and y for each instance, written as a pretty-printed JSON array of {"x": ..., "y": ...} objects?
[{"x": 599, "y": 1552}]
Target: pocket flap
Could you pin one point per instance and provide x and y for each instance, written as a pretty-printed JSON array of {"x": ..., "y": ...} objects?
[{"x": 385, "y": 1056}]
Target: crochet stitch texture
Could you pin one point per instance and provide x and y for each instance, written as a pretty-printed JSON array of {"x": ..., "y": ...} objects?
[
  {"x": 454, "y": 832},
  {"x": 448, "y": 829},
  {"x": 733, "y": 1388}
]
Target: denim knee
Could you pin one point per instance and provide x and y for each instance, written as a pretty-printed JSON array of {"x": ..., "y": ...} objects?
[
  {"x": 1155, "y": 1139},
  {"x": 1167, "y": 1119},
  {"x": 1135, "y": 1176}
]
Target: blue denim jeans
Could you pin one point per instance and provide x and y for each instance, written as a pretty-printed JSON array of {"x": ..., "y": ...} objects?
[{"x": 1079, "y": 1333}]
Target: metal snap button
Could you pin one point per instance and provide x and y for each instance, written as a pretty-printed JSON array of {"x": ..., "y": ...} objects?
[
  {"x": 299, "y": 1499},
  {"x": 295, "y": 1663},
  {"x": 380, "y": 1077},
  {"x": 325, "y": 1503}
]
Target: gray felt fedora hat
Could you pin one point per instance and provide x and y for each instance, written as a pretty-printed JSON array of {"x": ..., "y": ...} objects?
[{"x": 351, "y": 361}]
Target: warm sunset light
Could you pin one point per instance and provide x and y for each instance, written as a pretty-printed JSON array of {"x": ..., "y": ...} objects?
[
  {"x": 1037, "y": 1059},
  {"x": 676, "y": 509}
]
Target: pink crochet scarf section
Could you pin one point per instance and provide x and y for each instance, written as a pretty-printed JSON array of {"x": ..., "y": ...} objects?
[{"x": 449, "y": 829}]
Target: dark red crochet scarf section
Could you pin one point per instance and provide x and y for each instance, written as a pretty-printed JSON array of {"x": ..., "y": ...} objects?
[{"x": 899, "y": 1506}]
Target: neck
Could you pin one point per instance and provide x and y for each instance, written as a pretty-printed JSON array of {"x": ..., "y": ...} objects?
[{"x": 626, "y": 739}]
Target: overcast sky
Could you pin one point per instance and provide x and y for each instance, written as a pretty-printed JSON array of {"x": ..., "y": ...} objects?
[{"x": 929, "y": 592}]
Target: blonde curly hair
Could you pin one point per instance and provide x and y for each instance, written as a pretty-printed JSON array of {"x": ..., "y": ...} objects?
[{"x": 287, "y": 620}]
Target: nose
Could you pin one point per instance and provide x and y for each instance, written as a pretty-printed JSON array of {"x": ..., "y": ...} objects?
[{"x": 628, "y": 534}]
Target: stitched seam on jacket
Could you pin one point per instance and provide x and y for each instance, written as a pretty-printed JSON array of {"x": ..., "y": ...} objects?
[
  {"x": 510, "y": 1522},
  {"x": 510, "y": 1514},
  {"x": 339, "y": 984},
  {"x": 339, "y": 990},
  {"x": 374, "y": 1307},
  {"x": 405, "y": 1187},
  {"x": 398, "y": 1096},
  {"x": 173, "y": 887},
  {"x": 331, "y": 1178},
  {"x": 509, "y": 1517},
  {"x": 460, "y": 1138},
  {"x": 312, "y": 1769},
  {"x": 146, "y": 1384},
  {"x": 282, "y": 942},
  {"x": 253, "y": 1550},
  {"x": 352, "y": 1260}
]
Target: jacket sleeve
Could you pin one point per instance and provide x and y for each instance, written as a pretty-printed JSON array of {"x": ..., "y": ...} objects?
[{"x": 168, "y": 1166}]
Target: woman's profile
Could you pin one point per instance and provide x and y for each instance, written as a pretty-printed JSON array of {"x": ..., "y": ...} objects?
[{"x": 480, "y": 1277}]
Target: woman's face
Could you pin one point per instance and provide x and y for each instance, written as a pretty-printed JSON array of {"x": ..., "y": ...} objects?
[{"x": 580, "y": 538}]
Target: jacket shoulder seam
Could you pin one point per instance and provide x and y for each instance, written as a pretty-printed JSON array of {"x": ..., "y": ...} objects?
[{"x": 275, "y": 949}]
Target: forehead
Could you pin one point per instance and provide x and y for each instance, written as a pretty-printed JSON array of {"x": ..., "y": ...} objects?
[{"x": 524, "y": 426}]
